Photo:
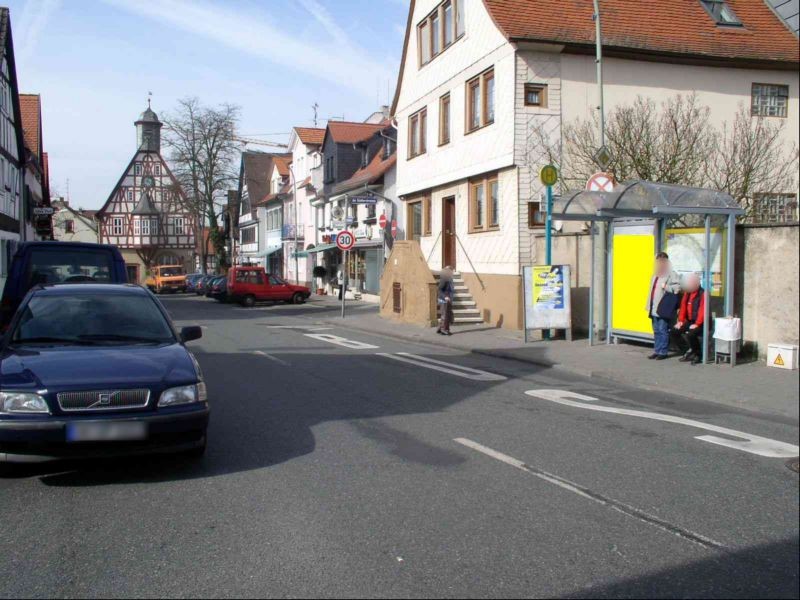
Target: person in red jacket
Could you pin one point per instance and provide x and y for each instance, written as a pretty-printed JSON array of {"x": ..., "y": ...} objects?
[{"x": 689, "y": 328}]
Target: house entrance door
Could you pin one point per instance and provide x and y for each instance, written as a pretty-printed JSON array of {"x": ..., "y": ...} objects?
[{"x": 449, "y": 232}]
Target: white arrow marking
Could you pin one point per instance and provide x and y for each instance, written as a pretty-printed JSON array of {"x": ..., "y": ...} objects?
[
  {"x": 753, "y": 444},
  {"x": 340, "y": 341},
  {"x": 444, "y": 367}
]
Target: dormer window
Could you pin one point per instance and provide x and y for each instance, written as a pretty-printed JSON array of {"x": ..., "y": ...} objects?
[
  {"x": 721, "y": 12},
  {"x": 440, "y": 29}
]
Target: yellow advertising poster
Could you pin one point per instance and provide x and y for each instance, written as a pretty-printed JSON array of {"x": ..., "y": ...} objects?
[{"x": 632, "y": 273}]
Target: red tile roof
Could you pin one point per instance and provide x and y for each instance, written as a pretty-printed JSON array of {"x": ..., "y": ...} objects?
[
  {"x": 344, "y": 132},
  {"x": 660, "y": 26},
  {"x": 310, "y": 136},
  {"x": 376, "y": 169},
  {"x": 30, "y": 107},
  {"x": 282, "y": 163}
]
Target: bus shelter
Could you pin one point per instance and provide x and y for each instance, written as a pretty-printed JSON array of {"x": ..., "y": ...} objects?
[{"x": 696, "y": 226}]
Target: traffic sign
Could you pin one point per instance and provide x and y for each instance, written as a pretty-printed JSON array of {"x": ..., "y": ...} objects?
[
  {"x": 600, "y": 182},
  {"x": 338, "y": 224},
  {"x": 548, "y": 175},
  {"x": 394, "y": 227},
  {"x": 363, "y": 200},
  {"x": 345, "y": 240},
  {"x": 382, "y": 221},
  {"x": 603, "y": 157}
]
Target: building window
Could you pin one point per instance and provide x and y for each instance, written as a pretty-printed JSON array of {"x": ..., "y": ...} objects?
[
  {"x": 480, "y": 101},
  {"x": 117, "y": 227},
  {"x": 484, "y": 203},
  {"x": 137, "y": 226},
  {"x": 130, "y": 194},
  {"x": 417, "y": 133},
  {"x": 137, "y": 169},
  {"x": 330, "y": 169},
  {"x": 536, "y": 95},
  {"x": 438, "y": 31},
  {"x": 769, "y": 100},
  {"x": 178, "y": 225},
  {"x": 426, "y": 215},
  {"x": 157, "y": 169},
  {"x": 536, "y": 216},
  {"x": 444, "y": 120},
  {"x": 414, "y": 221},
  {"x": 145, "y": 226},
  {"x": 69, "y": 226},
  {"x": 774, "y": 208},
  {"x": 371, "y": 211},
  {"x": 248, "y": 235},
  {"x": 721, "y": 12}
]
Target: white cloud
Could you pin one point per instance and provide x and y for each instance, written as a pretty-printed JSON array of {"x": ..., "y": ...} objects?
[
  {"x": 339, "y": 61},
  {"x": 34, "y": 18}
]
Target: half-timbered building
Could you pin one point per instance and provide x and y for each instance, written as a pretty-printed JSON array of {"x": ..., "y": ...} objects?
[{"x": 146, "y": 215}]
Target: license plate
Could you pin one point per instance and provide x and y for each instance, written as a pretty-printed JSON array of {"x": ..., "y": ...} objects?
[{"x": 106, "y": 432}]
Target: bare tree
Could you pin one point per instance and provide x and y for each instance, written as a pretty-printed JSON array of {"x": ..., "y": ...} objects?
[
  {"x": 203, "y": 149},
  {"x": 674, "y": 143}
]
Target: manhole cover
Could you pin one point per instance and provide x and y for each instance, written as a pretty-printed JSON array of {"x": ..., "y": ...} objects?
[{"x": 794, "y": 465}]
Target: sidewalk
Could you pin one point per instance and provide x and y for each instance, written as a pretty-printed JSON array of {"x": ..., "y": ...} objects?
[{"x": 750, "y": 386}]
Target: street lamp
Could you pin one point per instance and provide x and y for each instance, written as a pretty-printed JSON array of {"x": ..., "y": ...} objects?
[{"x": 599, "y": 60}]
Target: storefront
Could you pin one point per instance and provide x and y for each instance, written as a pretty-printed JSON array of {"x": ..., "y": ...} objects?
[{"x": 366, "y": 265}]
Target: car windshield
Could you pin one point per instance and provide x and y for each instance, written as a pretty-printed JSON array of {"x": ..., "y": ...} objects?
[
  {"x": 171, "y": 272},
  {"x": 60, "y": 265},
  {"x": 92, "y": 319}
]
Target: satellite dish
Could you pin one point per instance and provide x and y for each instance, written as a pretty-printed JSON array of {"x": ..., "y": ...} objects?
[{"x": 337, "y": 212}]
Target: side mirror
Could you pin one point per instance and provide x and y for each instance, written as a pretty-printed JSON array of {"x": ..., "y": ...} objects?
[{"x": 191, "y": 333}]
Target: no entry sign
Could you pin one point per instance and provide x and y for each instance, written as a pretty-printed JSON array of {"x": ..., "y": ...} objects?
[
  {"x": 600, "y": 182},
  {"x": 382, "y": 221},
  {"x": 394, "y": 227},
  {"x": 345, "y": 240}
]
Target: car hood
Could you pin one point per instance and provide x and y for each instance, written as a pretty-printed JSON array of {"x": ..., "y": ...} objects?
[{"x": 93, "y": 367}]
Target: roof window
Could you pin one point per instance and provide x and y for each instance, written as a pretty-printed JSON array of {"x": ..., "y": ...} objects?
[{"x": 721, "y": 12}]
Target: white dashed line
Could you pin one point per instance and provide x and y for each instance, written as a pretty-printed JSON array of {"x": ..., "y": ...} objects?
[
  {"x": 340, "y": 341},
  {"x": 588, "y": 494},
  {"x": 444, "y": 367},
  {"x": 272, "y": 358}
]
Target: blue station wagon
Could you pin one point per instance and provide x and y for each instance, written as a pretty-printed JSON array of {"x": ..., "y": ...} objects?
[{"x": 89, "y": 370}]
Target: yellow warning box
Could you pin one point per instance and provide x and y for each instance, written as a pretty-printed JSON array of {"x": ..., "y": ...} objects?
[
  {"x": 632, "y": 264},
  {"x": 782, "y": 356}
]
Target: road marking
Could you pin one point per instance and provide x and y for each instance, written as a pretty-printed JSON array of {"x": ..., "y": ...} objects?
[
  {"x": 340, "y": 341},
  {"x": 444, "y": 367},
  {"x": 298, "y": 327},
  {"x": 753, "y": 444},
  {"x": 272, "y": 358},
  {"x": 588, "y": 494}
]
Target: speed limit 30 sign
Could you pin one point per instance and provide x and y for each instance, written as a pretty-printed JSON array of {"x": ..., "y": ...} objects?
[{"x": 345, "y": 240}]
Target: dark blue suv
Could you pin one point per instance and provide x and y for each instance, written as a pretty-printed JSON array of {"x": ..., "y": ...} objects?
[{"x": 98, "y": 370}]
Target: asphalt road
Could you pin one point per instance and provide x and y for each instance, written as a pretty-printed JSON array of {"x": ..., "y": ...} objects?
[{"x": 346, "y": 464}]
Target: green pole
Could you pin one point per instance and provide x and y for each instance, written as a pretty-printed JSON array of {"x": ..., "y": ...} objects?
[{"x": 548, "y": 239}]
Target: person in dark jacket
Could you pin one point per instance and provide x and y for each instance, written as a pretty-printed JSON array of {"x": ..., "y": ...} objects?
[
  {"x": 445, "y": 300},
  {"x": 689, "y": 328},
  {"x": 662, "y": 304}
]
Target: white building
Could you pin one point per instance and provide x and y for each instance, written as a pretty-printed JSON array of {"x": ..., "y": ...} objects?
[
  {"x": 73, "y": 224},
  {"x": 476, "y": 76},
  {"x": 12, "y": 151}
]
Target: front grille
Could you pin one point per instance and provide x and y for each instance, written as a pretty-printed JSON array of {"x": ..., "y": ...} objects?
[{"x": 103, "y": 400}]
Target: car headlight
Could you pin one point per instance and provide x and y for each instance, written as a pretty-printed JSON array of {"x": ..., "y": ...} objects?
[
  {"x": 186, "y": 394},
  {"x": 22, "y": 403}
]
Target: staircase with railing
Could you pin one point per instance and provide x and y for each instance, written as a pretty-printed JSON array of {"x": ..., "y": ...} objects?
[{"x": 465, "y": 309}]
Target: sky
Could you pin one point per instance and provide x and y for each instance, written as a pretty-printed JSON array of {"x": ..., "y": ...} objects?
[{"x": 94, "y": 62}]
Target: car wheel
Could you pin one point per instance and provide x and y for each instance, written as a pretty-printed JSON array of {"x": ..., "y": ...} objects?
[
  {"x": 298, "y": 298},
  {"x": 249, "y": 301}
]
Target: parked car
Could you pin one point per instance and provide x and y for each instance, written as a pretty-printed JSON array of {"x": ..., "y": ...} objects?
[
  {"x": 219, "y": 289},
  {"x": 249, "y": 285},
  {"x": 98, "y": 370},
  {"x": 191, "y": 282},
  {"x": 166, "y": 278},
  {"x": 200, "y": 286},
  {"x": 43, "y": 263},
  {"x": 209, "y": 287}
]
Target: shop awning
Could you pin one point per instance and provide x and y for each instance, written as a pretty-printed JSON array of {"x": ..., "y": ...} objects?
[
  {"x": 305, "y": 253},
  {"x": 369, "y": 244},
  {"x": 269, "y": 251}
]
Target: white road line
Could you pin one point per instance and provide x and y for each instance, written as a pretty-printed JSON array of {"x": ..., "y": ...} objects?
[
  {"x": 272, "y": 358},
  {"x": 588, "y": 494},
  {"x": 444, "y": 367},
  {"x": 753, "y": 444},
  {"x": 340, "y": 341}
]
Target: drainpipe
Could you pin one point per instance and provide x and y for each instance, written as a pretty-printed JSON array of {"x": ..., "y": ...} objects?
[{"x": 296, "y": 212}]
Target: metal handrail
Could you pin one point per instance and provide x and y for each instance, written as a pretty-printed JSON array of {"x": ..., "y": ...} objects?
[
  {"x": 470, "y": 262},
  {"x": 436, "y": 241}
]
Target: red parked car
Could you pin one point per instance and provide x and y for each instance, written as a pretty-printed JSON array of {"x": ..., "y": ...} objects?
[{"x": 248, "y": 285}]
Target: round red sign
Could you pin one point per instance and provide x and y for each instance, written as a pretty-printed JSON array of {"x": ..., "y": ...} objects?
[
  {"x": 394, "y": 226},
  {"x": 382, "y": 221},
  {"x": 345, "y": 240}
]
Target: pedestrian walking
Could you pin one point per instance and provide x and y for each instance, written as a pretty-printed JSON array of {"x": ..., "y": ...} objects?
[
  {"x": 445, "y": 300},
  {"x": 689, "y": 328},
  {"x": 662, "y": 305}
]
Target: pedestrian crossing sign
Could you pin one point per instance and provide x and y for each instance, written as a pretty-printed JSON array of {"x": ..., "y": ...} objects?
[{"x": 778, "y": 362}]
